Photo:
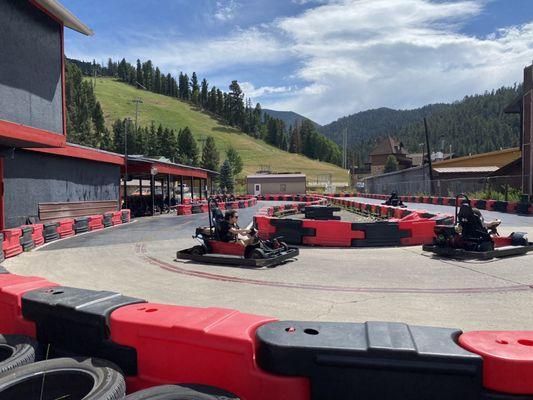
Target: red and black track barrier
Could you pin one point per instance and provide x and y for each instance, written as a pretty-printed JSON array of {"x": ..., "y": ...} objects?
[{"x": 258, "y": 358}]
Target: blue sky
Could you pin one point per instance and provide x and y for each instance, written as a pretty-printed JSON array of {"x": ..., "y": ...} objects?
[{"x": 321, "y": 58}]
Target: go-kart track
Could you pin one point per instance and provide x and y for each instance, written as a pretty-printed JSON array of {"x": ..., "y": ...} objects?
[{"x": 401, "y": 284}]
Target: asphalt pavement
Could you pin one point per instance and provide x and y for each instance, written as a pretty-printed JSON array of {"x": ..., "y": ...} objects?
[{"x": 323, "y": 284}]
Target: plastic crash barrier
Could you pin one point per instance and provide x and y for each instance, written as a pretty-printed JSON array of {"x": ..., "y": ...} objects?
[
  {"x": 11, "y": 244},
  {"x": 26, "y": 239},
  {"x": 2, "y": 257},
  {"x": 126, "y": 216},
  {"x": 410, "y": 230},
  {"x": 81, "y": 225},
  {"x": 96, "y": 222},
  {"x": 259, "y": 358},
  {"x": 117, "y": 218},
  {"x": 524, "y": 208},
  {"x": 108, "y": 219},
  {"x": 66, "y": 228},
  {"x": 321, "y": 212},
  {"x": 50, "y": 231},
  {"x": 37, "y": 234}
]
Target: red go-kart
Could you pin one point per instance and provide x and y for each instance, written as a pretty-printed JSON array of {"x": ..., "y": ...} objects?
[{"x": 261, "y": 253}]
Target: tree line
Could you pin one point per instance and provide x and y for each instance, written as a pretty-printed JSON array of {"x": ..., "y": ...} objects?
[
  {"x": 229, "y": 107},
  {"x": 476, "y": 124},
  {"x": 86, "y": 126}
]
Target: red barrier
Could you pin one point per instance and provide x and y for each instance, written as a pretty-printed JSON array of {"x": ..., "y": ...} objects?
[
  {"x": 96, "y": 222},
  {"x": 435, "y": 200},
  {"x": 209, "y": 346},
  {"x": 445, "y": 201},
  {"x": 12, "y": 287},
  {"x": 512, "y": 207},
  {"x": 204, "y": 207},
  {"x": 489, "y": 204},
  {"x": 331, "y": 233},
  {"x": 66, "y": 228},
  {"x": 234, "y": 205},
  {"x": 37, "y": 233},
  {"x": 222, "y": 206},
  {"x": 507, "y": 359},
  {"x": 421, "y": 230},
  {"x": 264, "y": 228},
  {"x": 186, "y": 201},
  {"x": 117, "y": 218},
  {"x": 184, "y": 209},
  {"x": 11, "y": 245}
]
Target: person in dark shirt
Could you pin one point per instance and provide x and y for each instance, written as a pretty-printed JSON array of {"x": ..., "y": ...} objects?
[{"x": 230, "y": 232}]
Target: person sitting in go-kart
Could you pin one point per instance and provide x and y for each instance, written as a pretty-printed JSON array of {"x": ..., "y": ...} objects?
[{"x": 230, "y": 232}]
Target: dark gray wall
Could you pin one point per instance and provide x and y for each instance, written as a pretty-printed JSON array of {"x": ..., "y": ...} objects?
[
  {"x": 30, "y": 67},
  {"x": 31, "y": 178},
  {"x": 412, "y": 180}
]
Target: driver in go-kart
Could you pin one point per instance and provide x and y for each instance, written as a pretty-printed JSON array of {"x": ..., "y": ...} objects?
[{"x": 230, "y": 232}]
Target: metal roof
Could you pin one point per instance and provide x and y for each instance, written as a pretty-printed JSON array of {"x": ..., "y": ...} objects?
[
  {"x": 68, "y": 19},
  {"x": 465, "y": 170},
  {"x": 171, "y": 164},
  {"x": 275, "y": 176}
]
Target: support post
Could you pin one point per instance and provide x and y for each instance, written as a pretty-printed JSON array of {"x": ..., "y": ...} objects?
[
  {"x": 152, "y": 193},
  {"x": 429, "y": 158},
  {"x": 192, "y": 189},
  {"x": 168, "y": 191},
  {"x": 181, "y": 189}
]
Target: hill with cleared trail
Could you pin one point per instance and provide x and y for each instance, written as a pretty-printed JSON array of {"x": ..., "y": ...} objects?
[{"x": 116, "y": 101}]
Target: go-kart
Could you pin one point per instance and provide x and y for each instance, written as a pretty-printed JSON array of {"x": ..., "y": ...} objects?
[
  {"x": 394, "y": 201},
  {"x": 472, "y": 237},
  {"x": 261, "y": 253}
]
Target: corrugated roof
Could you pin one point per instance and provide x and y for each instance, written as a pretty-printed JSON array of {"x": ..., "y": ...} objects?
[
  {"x": 275, "y": 176},
  {"x": 465, "y": 170},
  {"x": 68, "y": 19}
]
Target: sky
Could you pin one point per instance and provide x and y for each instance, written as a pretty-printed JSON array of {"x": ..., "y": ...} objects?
[{"x": 321, "y": 58}]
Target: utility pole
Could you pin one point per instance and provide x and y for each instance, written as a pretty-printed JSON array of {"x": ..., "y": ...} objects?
[
  {"x": 344, "y": 147},
  {"x": 126, "y": 123},
  {"x": 137, "y": 101},
  {"x": 429, "y": 158}
]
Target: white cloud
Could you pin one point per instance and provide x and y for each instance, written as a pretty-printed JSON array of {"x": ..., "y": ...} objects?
[
  {"x": 360, "y": 54},
  {"x": 225, "y": 10},
  {"x": 251, "y": 91}
]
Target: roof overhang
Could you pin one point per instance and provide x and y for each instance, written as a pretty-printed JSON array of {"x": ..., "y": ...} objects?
[
  {"x": 85, "y": 153},
  {"x": 18, "y": 135},
  {"x": 145, "y": 166},
  {"x": 57, "y": 10}
]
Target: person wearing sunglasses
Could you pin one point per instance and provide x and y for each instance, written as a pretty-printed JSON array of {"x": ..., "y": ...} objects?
[{"x": 230, "y": 232}]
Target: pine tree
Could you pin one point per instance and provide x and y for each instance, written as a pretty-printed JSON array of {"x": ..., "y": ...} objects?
[
  {"x": 157, "y": 80},
  {"x": 195, "y": 89},
  {"x": 227, "y": 182},
  {"x": 236, "y": 105},
  {"x": 188, "y": 148},
  {"x": 391, "y": 164},
  {"x": 210, "y": 155},
  {"x": 139, "y": 73},
  {"x": 204, "y": 93},
  {"x": 234, "y": 159}
]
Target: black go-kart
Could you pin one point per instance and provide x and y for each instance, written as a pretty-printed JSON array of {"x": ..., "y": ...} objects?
[
  {"x": 470, "y": 237},
  {"x": 394, "y": 201},
  {"x": 261, "y": 253}
]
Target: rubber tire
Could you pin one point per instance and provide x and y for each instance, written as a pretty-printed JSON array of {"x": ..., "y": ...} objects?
[
  {"x": 181, "y": 392},
  {"x": 257, "y": 254},
  {"x": 23, "y": 349},
  {"x": 108, "y": 382},
  {"x": 519, "y": 239}
]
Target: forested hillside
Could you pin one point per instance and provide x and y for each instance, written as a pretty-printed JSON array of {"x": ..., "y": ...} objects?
[
  {"x": 289, "y": 118},
  {"x": 475, "y": 124},
  {"x": 229, "y": 108}
]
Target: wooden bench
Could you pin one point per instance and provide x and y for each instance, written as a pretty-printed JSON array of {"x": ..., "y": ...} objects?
[{"x": 58, "y": 211}]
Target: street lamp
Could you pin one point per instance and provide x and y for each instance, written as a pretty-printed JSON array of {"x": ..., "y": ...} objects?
[{"x": 126, "y": 123}]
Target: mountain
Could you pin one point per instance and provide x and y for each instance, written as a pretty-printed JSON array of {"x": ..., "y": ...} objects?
[
  {"x": 116, "y": 98},
  {"x": 475, "y": 124},
  {"x": 289, "y": 118}
]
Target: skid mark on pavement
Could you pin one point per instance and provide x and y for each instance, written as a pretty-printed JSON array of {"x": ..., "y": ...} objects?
[{"x": 141, "y": 251}]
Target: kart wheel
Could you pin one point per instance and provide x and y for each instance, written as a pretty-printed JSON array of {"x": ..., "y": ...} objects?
[
  {"x": 519, "y": 239},
  {"x": 257, "y": 254},
  {"x": 485, "y": 246},
  {"x": 198, "y": 251}
]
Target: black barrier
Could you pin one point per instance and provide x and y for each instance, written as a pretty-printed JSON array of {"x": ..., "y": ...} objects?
[
  {"x": 81, "y": 224},
  {"x": 241, "y": 204},
  {"x": 523, "y": 208},
  {"x": 107, "y": 220},
  {"x": 481, "y": 204},
  {"x": 125, "y": 217},
  {"x": 291, "y": 230},
  {"x": 320, "y": 212},
  {"x": 500, "y": 206},
  {"x": 373, "y": 360},
  {"x": 26, "y": 239},
  {"x": 196, "y": 208},
  {"x": 380, "y": 233},
  {"x": 50, "y": 232},
  {"x": 73, "y": 320}
]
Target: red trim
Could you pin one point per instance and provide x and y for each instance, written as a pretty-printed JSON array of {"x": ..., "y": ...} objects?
[
  {"x": 87, "y": 154},
  {"x": 2, "y": 193},
  {"x": 145, "y": 167},
  {"x": 29, "y": 135}
]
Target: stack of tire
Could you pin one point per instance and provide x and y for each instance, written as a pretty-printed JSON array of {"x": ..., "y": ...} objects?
[
  {"x": 50, "y": 232},
  {"x": 108, "y": 219},
  {"x": 81, "y": 225}
]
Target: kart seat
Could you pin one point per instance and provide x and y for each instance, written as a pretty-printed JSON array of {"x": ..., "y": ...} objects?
[{"x": 217, "y": 218}]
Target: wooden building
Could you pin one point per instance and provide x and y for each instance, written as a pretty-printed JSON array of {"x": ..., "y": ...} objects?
[
  {"x": 388, "y": 147},
  {"x": 276, "y": 184}
]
